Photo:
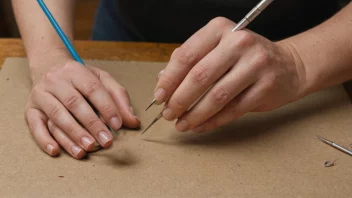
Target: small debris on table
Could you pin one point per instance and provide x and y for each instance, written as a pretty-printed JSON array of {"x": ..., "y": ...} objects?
[
  {"x": 329, "y": 163},
  {"x": 61, "y": 176},
  {"x": 7, "y": 79}
]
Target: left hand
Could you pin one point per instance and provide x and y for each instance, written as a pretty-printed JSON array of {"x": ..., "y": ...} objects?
[{"x": 244, "y": 71}]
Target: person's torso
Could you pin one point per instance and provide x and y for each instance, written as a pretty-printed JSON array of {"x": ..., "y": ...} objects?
[{"x": 175, "y": 21}]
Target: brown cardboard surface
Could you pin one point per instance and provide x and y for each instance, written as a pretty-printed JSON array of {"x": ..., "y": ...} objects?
[{"x": 271, "y": 154}]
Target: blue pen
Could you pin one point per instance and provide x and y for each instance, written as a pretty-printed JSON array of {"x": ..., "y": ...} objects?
[
  {"x": 61, "y": 33},
  {"x": 67, "y": 43}
]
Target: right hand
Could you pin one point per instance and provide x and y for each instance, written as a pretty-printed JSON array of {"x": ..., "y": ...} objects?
[{"x": 57, "y": 105}]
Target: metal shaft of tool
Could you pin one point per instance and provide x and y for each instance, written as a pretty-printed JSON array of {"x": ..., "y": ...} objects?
[
  {"x": 151, "y": 104},
  {"x": 343, "y": 149},
  {"x": 333, "y": 144},
  {"x": 154, "y": 121},
  {"x": 252, "y": 14}
]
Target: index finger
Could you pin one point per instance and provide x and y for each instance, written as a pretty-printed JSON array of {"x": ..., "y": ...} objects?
[{"x": 189, "y": 54}]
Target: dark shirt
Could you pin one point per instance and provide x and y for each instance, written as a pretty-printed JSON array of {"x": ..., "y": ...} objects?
[{"x": 176, "y": 21}]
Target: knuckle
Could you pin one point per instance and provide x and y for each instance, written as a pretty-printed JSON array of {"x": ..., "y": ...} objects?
[
  {"x": 220, "y": 22},
  {"x": 123, "y": 91},
  {"x": 71, "y": 102},
  {"x": 167, "y": 81},
  {"x": 70, "y": 66},
  {"x": 184, "y": 56},
  {"x": 52, "y": 127},
  {"x": 73, "y": 129},
  {"x": 92, "y": 87},
  {"x": 174, "y": 53},
  {"x": 50, "y": 78},
  {"x": 180, "y": 106},
  {"x": 55, "y": 112},
  {"x": 199, "y": 75},
  {"x": 94, "y": 123},
  {"x": 241, "y": 39},
  {"x": 107, "y": 108},
  {"x": 36, "y": 90},
  {"x": 270, "y": 83},
  {"x": 262, "y": 57},
  {"x": 98, "y": 74},
  {"x": 219, "y": 96}
]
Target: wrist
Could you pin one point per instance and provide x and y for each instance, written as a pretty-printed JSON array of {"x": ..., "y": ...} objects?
[
  {"x": 291, "y": 50},
  {"x": 41, "y": 62}
]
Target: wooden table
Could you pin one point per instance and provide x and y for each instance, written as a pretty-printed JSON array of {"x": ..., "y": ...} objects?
[
  {"x": 100, "y": 50},
  {"x": 110, "y": 51}
]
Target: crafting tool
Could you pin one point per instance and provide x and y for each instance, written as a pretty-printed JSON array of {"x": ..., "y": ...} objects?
[
  {"x": 67, "y": 43},
  {"x": 151, "y": 104},
  {"x": 333, "y": 144},
  {"x": 259, "y": 8},
  {"x": 154, "y": 121}
]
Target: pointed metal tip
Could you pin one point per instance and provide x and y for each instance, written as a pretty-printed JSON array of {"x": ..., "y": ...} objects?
[
  {"x": 320, "y": 137},
  {"x": 153, "y": 122},
  {"x": 147, "y": 128},
  {"x": 325, "y": 140},
  {"x": 151, "y": 104}
]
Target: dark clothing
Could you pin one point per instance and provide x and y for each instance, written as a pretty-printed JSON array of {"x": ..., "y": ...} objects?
[{"x": 176, "y": 21}]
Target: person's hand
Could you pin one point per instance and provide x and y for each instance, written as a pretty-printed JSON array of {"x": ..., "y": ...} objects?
[
  {"x": 242, "y": 71},
  {"x": 58, "y": 113}
]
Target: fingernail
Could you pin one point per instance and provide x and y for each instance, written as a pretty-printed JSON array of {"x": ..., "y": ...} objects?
[
  {"x": 131, "y": 110},
  {"x": 168, "y": 114},
  {"x": 159, "y": 96},
  {"x": 182, "y": 126},
  {"x": 86, "y": 143},
  {"x": 104, "y": 138},
  {"x": 137, "y": 119},
  {"x": 115, "y": 123},
  {"x": 76, "y": 150},
  {"x": 50, "y": 149},
  {"x": 199, "y": 129}
]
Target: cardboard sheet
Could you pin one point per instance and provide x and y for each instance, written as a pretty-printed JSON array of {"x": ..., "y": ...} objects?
[{"x": 272, "y": 154}]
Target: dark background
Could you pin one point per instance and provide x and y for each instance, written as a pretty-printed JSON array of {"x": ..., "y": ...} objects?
[{"x": 83, "y": 22}]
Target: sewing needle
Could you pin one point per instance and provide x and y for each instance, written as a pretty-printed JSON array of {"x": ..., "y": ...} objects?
[{"x": 259, "y": 8}]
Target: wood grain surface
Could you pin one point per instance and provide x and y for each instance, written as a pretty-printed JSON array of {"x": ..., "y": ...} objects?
[{"x": 100, "y": 50}]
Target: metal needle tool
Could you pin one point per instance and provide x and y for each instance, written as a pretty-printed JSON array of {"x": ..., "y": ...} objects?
[
  {"x": 154, "y": 121},
  {"x": 151, "y": 104},
  {"x": 260, "y": 7},
  {"x": 333, "y": 144}
]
